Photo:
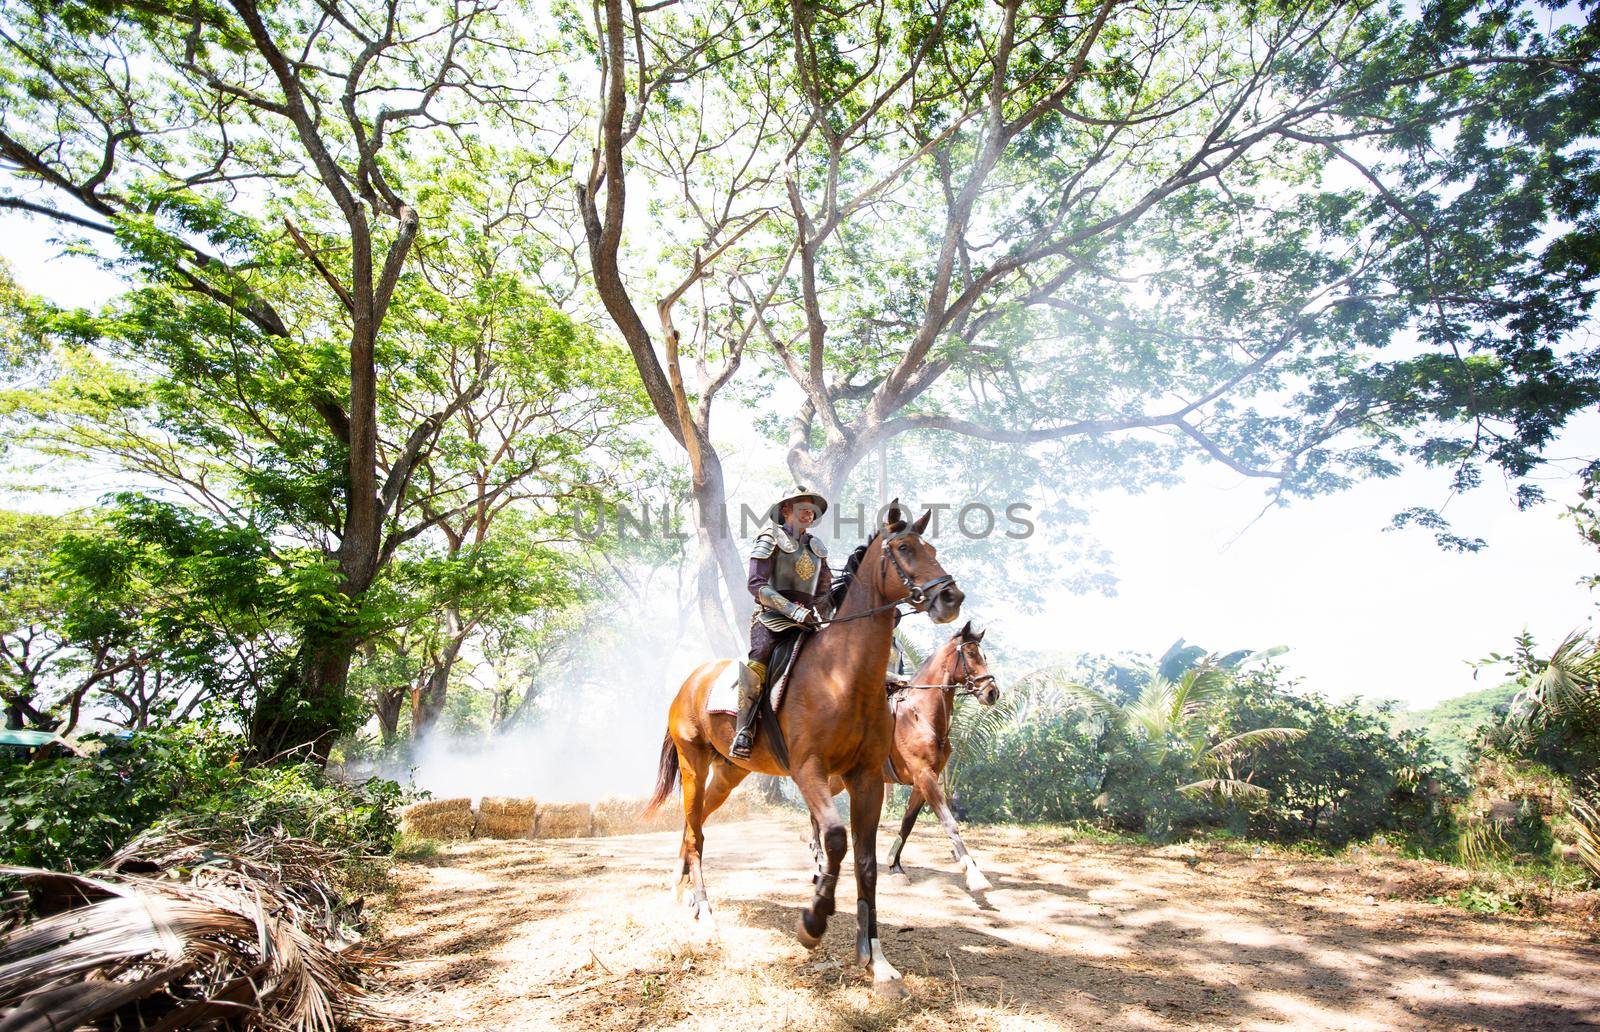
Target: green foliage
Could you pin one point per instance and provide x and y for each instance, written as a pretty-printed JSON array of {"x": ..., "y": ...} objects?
[
  {"x": 1348, "y": 777},
  {"x": 1452, "y": 725},
  {"x": 1037, "y": 770},
  {"x": 1208, "y": 748},
  {"x": 72, "y": 812}
]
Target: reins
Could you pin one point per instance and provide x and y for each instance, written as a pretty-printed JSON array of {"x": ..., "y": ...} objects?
[{"x": 968, "y": 684}]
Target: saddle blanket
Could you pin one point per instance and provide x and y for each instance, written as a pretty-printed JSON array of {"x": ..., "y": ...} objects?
[{"x": 724, "y": 694}]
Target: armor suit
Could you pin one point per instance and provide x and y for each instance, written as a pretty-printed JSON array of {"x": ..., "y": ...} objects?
[{"x": 790, "y": 582}]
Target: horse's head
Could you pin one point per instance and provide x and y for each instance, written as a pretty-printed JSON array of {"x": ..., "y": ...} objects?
[
  {"x": 911, "y": 571},
  {"x": 970, "y": 667}
]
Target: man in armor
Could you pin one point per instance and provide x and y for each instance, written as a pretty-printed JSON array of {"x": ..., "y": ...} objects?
[{"x": 789, "y": 579}]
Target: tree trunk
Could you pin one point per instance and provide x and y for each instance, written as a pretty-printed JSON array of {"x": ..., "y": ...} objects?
[
  {"x": 430, "y": 700},
  {"x": 719, "y": 561},
  {"x": 387, "y": 706},
  {"x": 303, "y": 714}
]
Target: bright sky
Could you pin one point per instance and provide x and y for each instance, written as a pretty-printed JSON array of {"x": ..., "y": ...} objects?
[{"x": 1363, "y": 610}]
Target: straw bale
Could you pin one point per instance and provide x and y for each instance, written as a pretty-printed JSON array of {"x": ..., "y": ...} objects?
[
  {"x": 444, "y": 826},
  {"x": 506, "y": 817},
  {"x": 668, "y": 818},
  {"x": 430, "y": 807},
  {"x": 509, "y": 806},
  {"x": 565, "y": 820},
  {"x": 503, "y": 826},
  {"x": 618, "y": 815},
  {"x": 438, "y": 819}
]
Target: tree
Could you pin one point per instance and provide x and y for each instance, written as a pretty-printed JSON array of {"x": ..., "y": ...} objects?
[
  {"x": 646, "y": 69},
  {"x": 1163, "y": 206},
  {"x": 327, "y": 307},
  {"x": 1348, "y": 776},
  {"x": 1309, "y": 243}
]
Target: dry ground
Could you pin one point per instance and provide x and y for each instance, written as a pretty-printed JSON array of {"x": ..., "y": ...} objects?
[{"x": 581, "y": 934}]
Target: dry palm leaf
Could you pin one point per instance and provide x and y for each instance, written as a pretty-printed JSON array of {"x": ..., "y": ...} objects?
[{"x": 174, "y": 933}]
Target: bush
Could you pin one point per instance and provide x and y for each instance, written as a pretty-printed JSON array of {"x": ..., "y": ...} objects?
[
  {"x": 73, "y": 812},
  {"x": 1349, "y": 778},
  {"x": 1047, "y": 770}
]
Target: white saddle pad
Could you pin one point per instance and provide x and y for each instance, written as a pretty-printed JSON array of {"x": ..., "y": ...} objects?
[{"x": 724, "y": 694}]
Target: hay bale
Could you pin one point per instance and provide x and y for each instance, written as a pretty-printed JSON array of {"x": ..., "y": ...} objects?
[
  {"x": 618, "y": 815},
  {"x": 668, "y": 818},
  {"x": 447, "y": 819},
  {"x": 735, "y": 808},
  {"x": 431, "y": 807},
  {"x": 506, "y": 817},
  {"x": 564, "y": 820}
]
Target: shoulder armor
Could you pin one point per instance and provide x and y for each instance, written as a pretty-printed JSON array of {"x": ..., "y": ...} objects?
[
  {"x": 766, "y": 542},
  {"x": 819, "y": 548},
  {"x": 785, "y": 542}
]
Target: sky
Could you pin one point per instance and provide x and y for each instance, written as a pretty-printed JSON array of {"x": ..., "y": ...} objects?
[{"x": 1362, "y": 609}]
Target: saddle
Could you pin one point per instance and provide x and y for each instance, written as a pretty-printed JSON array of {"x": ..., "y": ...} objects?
[{"x": 724, "y": 695}]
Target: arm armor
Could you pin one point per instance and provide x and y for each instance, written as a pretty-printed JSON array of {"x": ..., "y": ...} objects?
[{"x": 770, "y": 598}]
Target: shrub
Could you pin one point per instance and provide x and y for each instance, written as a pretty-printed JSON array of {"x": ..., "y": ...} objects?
[
  {"x": 70, "y": 813},
  {"x": 1349, "y": 777},
  {"x": 1047, "y": 770}
]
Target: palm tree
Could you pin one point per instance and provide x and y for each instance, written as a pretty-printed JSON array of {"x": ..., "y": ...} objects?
[
  {"x": 1170, "y": 723},
  {"x": 1564, "y": 692}
]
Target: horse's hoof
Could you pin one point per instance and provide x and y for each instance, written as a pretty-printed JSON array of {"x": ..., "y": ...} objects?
[
  {"x": 976, "y": 882},
  {"x": 890, "y": 988},
  {"x": 705, "y": 925},
  {"x": 807, "y": 940},
  {"x": 899, "y": 872}
]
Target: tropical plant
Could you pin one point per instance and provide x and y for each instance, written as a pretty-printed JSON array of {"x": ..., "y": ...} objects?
[
  {"x": 1555, "y": 720},
  {"x": 1171, "y": 727}
]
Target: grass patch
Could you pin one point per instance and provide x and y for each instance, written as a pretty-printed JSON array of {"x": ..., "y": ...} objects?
[{"x": 416, "y": 847}]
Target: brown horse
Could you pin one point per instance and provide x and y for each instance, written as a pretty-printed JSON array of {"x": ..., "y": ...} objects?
[
  {"x": 835, "y": 721},
  {"x": 922, "y": 714}
]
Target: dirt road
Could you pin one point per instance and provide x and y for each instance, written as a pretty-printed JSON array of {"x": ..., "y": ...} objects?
[{"x": 581, "y": 934}]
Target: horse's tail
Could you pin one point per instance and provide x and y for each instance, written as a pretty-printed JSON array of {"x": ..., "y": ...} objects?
[{"x": 666, "y": 776}]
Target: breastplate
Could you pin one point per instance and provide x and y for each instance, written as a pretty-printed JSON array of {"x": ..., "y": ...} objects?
[{"x": 796, "y": 571}]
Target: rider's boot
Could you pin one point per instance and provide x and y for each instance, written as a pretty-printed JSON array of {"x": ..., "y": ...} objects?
[{"x": 751, "y": 675}]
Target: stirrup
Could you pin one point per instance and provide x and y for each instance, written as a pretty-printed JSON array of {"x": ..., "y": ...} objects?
[{"x": 743, "y": 743}]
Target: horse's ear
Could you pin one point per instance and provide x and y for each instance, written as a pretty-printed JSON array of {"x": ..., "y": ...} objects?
[
  {"x": 980, "y": 634},
  {"x": 966, "y": 630},
  {"x": 922, "y": 522},
  {"x": 891, "y": 515}
]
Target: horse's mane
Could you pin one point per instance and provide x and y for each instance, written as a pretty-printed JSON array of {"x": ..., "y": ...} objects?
[{"x": 841, "y": 583}]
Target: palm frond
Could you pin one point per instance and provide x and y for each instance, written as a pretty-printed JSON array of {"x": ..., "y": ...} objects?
[
  {"x": 1097, "y": 703},
  {"x": 204, "y": 934},
  {"x": 975, "y": 728},
  {"x": 1198, "y": 688},
  {"x": 1262, "y": 656},
  {"x": 908, "y": 649},
  {"x": 1224, "y": 790},
  {"x": 1567, "y": 685},
  {"x": 1587, "y": 820},
  {"x": 1249, "y": 741}
]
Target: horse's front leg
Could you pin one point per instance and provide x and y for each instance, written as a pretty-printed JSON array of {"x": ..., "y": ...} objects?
[
  {"x": 866, "y": 806},
  {"x": 813, "y": 785},
  {"x": 928, "y": 783},
  {"x": 907, "y": 823}
]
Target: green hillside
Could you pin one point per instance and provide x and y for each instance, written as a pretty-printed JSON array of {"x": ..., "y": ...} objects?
[{"x": 1452, "y": 723}]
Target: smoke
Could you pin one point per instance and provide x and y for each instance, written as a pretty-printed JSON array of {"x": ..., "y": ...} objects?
[{"x": 597, "y": 726}]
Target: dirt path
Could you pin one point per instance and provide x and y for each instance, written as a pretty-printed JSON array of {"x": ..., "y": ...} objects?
[{"x": 581, "y": 934}]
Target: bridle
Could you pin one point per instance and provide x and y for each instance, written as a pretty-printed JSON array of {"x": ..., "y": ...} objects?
[
  {"x": 917, "y": 595},
  {"x": 968, "y": 683}
]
